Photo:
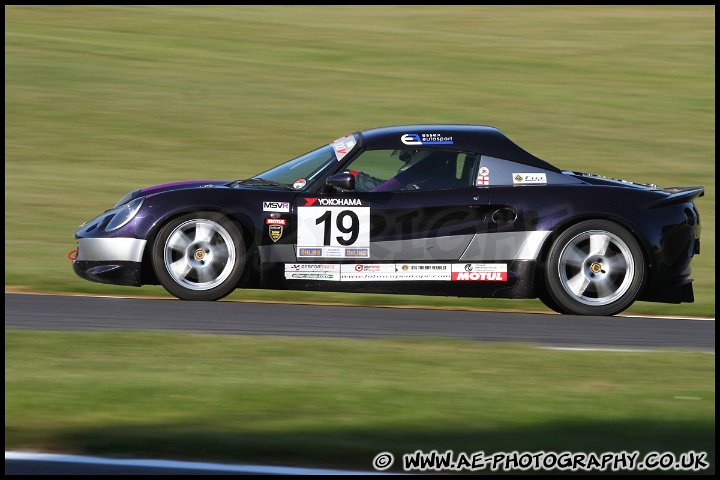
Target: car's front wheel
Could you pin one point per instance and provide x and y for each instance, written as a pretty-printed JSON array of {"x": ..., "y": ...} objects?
[
  {"x": 594, "y": 268},
  {"x": 199, "y": 256}
]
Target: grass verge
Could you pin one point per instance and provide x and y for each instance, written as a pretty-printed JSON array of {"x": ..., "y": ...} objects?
[{"x": 336, "y": 403}]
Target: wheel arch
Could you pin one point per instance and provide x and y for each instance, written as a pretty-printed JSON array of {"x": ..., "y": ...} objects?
[
  {"x": 147, "y": 273},
  {"x": 539, "y": 284}
]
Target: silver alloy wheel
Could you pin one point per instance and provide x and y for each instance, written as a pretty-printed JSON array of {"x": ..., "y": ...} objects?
[
  {"x": 596, "y": 268},
  {"x": 199, "y": 254}
]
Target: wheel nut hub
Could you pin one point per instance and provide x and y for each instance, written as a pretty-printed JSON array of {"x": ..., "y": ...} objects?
[{"x": 595, "y": 267}]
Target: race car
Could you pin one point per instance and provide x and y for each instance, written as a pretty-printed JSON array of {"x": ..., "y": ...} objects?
[{"x": 453, "y": 210}]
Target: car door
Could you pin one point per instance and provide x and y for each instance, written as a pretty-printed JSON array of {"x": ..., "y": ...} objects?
[{"x": 431, "y": 223}]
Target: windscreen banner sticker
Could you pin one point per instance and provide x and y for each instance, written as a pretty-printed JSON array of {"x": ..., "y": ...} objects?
[
  {"x": 426, "y": 139},
  {"x": 333, "y": 227},
  {"x": 342, "y": 146},
  {"x": 479, "y": 272},
  {"x": 529, "y": 178}
]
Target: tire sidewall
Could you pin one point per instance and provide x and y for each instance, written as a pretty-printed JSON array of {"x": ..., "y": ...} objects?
[
  {"x": 178, "y": 290},
  {"x": 564, "y": 300}
]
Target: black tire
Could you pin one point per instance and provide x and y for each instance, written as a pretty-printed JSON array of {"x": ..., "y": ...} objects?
[
  {"x": 551, "y": 304},
  {"x": 199, "y": 256},
  {"x": 594, "y": 268}
]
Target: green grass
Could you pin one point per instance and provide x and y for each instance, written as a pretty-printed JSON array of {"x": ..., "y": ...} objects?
[
  {"x": 336, "y": 403},
  {"x": 101, "y": 100}
]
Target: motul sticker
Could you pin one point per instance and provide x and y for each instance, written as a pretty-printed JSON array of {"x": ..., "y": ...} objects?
[
  {"x": 275, "y": 221},
  {"x": 479, "y": 272}
]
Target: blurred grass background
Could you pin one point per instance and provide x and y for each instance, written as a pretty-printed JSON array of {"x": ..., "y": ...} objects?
[
  {"x": 336, "y": 403},
  {"x": 101, "y": 100}
]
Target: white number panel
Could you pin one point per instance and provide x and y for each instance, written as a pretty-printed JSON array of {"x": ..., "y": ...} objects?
[{"x": 333, "y": 227}]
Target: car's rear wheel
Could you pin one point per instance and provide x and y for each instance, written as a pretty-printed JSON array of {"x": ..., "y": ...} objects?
[
  {"x": 594, "y": 268},
  {"x": 199, "y": 256}
]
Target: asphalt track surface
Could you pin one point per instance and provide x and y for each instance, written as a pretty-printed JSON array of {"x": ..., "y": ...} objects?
[{"x": 61, "y": 312}]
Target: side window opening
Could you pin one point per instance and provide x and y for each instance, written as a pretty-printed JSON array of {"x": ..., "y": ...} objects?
[{"x": 407, "y": 170}]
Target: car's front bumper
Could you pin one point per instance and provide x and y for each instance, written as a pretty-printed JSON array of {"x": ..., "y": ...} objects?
[{"x": 115, "y": 261}]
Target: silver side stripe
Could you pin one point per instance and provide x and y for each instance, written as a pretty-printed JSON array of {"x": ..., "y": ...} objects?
[
  {"x": 480, "y": 247},
  {"x": 505, "y": 246},
  {"x": 110, "y": 249}
]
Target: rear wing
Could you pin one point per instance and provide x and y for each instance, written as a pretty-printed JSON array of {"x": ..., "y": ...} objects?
[{"x": 680, "y": 195}]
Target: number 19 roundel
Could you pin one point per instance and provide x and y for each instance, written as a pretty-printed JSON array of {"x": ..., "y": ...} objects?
[{"x": 333, "y": 227}]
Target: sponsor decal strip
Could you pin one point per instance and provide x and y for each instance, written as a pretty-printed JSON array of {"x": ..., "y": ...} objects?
[{"x": 384, "y": 272}]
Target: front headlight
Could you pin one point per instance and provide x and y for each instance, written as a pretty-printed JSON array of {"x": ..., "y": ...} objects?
[{"x": 124, "y": 214}]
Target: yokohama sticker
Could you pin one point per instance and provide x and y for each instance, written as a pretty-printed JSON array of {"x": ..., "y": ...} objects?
[
  {"x": 479, "y": 272},
  {"x": 337, "y": 227}
]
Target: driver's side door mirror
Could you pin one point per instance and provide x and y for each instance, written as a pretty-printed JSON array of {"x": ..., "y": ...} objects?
[{"x": 341, "y": 181}]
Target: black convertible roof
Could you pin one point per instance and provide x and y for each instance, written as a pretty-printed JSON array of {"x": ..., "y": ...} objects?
[{"x": 468, "y": 138}]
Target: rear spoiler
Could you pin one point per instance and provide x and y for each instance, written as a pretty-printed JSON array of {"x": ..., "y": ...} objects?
[{"x": 680, "y": 195}]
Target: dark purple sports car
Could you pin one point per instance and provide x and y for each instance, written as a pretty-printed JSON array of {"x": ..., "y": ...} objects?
[{"x": 455, "y": 210}]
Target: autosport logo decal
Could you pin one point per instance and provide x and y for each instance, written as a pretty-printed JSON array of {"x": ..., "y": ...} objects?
[
  {"x": 479, "y": 272},
  {"x": 426, "y": 139}
]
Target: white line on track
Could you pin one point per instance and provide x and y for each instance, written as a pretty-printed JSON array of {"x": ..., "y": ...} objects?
[{"x": 218, "y": 467}]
